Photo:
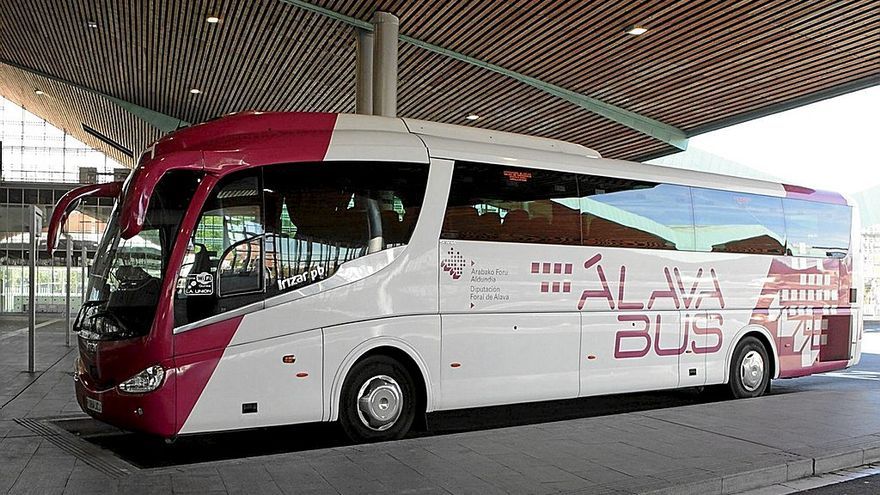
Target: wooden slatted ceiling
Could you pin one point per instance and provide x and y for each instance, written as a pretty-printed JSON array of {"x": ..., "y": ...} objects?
[
  {"x": 504, "y": 104},
  {"x": 701, "y": 62},
  {"x": 68, "y": 108}
]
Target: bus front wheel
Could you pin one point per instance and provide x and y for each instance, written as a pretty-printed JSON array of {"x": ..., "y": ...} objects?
[
  {"x": 378, "y": 400},
  {"x": 749, "y": 369}
]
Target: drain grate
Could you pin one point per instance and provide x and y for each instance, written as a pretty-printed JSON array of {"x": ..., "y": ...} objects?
[{"x": 82, "y": 450}]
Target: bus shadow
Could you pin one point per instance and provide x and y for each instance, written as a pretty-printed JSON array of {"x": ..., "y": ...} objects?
[
  {"x": 563, "y": 410},
  {"x": 147, "y": 452}
]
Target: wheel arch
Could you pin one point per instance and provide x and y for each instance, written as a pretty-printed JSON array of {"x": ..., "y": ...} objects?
[
  {"x": 765, "y": 337},
  {"x": 395, "y": 349}
]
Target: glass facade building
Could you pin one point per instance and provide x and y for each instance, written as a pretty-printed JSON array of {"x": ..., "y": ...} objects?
[
  {"x": 36, "y": 151},
  {"x": 39, "y": 164},
  {"x": 84, "y": 229}
]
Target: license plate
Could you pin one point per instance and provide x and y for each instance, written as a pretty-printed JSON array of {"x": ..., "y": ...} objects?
[{"x": 94, "y": 405}]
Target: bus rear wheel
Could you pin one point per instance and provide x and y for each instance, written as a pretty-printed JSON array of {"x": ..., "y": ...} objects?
[
  {"x": 378, "y": 400},
  {"x": 749, "y": 369}
]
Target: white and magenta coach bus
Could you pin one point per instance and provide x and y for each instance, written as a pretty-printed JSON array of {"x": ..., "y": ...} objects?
[{"x": 276, "y": 268}]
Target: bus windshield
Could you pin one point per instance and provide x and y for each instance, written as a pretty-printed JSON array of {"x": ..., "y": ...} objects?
[{"x": 125, "y": 279}]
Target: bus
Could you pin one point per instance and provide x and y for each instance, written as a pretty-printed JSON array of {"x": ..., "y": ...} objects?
[{"x": 269, "y": 269}]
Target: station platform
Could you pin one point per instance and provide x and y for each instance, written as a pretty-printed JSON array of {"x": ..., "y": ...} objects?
[{"x": 672, "y": 442}]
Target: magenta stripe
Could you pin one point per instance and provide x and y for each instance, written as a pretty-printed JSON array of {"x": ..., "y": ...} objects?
[{"x": 800, "y": 192}]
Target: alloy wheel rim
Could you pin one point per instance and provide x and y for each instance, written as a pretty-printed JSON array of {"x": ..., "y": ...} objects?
[
  {"x": 379, "y": 403},
  {"x": 751, "y": 371}
]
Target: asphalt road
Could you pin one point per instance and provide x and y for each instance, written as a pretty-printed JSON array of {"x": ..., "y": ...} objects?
[{"x": 869, "y": 485}]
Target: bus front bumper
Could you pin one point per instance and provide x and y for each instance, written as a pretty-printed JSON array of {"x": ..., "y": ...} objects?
[{"x": 151, "y": 413}]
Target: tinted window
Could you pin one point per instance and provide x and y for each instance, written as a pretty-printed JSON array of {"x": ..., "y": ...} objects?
[
  {"x": 127, "y": 273},
  {"x": 635, "y": 214},
  {"x": 817, "y": 229},
  {"x": 223, "y": 268},
  {"x": 733, "y": 222},
  {"x": 498, "y": 203},
  {"x": 321, "y": 215}
]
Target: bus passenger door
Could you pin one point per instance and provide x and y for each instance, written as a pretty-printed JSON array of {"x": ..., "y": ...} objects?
[
  {"x": 491, "y": 359},
  {"x": 630, "y": 351}
]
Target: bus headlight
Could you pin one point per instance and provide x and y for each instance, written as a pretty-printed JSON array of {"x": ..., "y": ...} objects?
[{"x": 145, "y": 381}]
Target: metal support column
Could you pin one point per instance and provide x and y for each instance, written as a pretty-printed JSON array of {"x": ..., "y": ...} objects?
[
  {"x": 68, "y": 260},
  {"x": 364, "y": 88},
  {"x": 84, "y": 258},
  {"x": 385, "y": 27},
  {"x": 35, "y": 227}
]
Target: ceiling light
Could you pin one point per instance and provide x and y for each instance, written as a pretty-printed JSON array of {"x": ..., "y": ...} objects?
[
  {"x": 39, "y": 92},
  {"x": 92, "y": 24},
  {"x": 636, "y": 30},
  {"x": 472, "y": 116},
  {"x": 213, "y": 19},
  {"x": 195, "y": 91}
]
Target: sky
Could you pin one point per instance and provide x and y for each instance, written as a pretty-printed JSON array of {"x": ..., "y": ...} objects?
[{"x": 832, "y": 144}]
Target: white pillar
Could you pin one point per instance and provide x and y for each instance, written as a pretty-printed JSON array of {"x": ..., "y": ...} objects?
[
  {"x": 385, "y": 28},
  {"x": 35, "y": 227},
  {"x": 84, "y": 281},
  {"x": 364, "y": 88},
  {"x": 68, "y": 260}
]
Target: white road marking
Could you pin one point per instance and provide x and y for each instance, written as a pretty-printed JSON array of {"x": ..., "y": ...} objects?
[
  {"x": 854, "y": 375},
  {"x": 25, "y": 329}
]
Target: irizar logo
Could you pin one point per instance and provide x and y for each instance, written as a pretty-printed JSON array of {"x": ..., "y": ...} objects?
[
  {"x": 311, "y": 275},
  {"x": 453, "y": 263}
]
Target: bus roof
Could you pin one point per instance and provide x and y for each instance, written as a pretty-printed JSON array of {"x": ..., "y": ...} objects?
[
  {"x": 249, "y": 139},
  {"x": 478, "y": 136}
]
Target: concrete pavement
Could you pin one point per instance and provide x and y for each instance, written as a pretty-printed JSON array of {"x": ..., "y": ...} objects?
[{"x": 808, "y": 426}]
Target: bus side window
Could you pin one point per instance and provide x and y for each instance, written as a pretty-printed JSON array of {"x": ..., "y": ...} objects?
[
  {"x": 815, "y": 229},
  {"x": 512, "y": 204},
  {"x": 735, "y": 222},
  {"x": 223, "y": 269},
  {"x": 322, "y": 215},
  {"x": 240, "y": 267},
  {"x": 635, "y": 214}
]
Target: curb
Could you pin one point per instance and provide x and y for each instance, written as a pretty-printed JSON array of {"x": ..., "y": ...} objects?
[{"x": 780, "y": 473}]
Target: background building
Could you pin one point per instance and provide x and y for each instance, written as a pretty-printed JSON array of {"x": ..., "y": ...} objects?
[{"x": 39, "y": 164}]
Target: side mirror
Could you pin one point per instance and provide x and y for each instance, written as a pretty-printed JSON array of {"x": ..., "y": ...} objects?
[{"x": 69, "y": 202}]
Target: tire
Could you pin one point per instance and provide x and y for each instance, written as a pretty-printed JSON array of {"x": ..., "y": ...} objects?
[
  {"x": 749, "y": 369},
  {"x": 383, "y": 383}
]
